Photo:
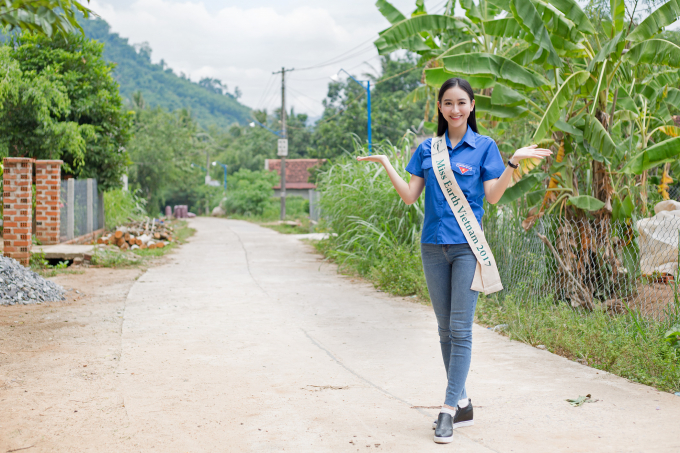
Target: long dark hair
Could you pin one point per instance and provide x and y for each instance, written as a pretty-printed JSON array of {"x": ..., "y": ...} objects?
[{"x": 442, "y": 124}]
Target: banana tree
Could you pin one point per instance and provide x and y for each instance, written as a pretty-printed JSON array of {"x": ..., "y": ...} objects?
[
  {"x": 546, "y": 61},
  {"x": 437, "y": 36}
]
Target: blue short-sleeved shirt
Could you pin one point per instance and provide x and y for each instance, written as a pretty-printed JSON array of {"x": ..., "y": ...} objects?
[{"x": 475, "y": 159}]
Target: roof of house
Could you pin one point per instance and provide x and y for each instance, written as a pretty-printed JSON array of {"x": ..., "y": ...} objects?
[{"x": 297, "y": 172}]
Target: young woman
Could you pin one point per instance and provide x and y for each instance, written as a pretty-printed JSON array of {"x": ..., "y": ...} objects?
[{"x": 449, "y": 262}]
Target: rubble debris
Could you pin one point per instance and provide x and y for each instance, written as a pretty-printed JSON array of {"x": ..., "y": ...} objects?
[
  {"x": 148, "y": 234},
  {"x": 22, "y": 286}
]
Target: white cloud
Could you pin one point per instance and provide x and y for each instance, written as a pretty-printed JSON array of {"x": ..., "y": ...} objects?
[{"x": 242, "y": 45}]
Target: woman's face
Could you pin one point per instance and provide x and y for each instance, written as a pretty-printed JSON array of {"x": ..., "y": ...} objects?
[{"x": 456, "y": 106}]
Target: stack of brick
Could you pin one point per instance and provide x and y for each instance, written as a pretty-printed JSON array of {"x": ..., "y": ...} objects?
[
  {"x": 47, "y": 192},
  {"x": 17, "y": 209}
]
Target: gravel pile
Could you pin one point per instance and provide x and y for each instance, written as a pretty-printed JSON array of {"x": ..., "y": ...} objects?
[{"x": 19, "y": 285}]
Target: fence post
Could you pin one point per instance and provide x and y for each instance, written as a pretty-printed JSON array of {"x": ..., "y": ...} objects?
[
  {"x": 47, "y": 191},
  {"x": 90, "y": 207},
  {"x": 70, "y": 208},
  {"x": 102, "y": 212},
  {"x": 18, "y": 211}
]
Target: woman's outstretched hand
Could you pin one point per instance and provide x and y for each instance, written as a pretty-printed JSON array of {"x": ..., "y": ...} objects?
[
  {"x": 379, "y": 158},
  {"x": 530, "y": 152}
]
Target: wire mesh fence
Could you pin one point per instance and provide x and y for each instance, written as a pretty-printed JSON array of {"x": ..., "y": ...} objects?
[
  {"x": 81, "y": 210},
  {"x": 617, "y": 267}
]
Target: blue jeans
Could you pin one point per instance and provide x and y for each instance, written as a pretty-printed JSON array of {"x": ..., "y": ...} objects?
[{"x": 449, "y": 270}]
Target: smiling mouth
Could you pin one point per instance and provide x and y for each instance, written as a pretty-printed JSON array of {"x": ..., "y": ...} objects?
[{"x": 456, "y": 117}]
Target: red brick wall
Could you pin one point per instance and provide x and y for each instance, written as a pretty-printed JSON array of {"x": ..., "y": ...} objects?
[
  {"x": 47, "y": 191},
  {"x": 17, "y": 213}
]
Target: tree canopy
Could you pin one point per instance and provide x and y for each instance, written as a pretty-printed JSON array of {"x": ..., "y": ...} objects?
[
  {"x": 60, "y": 102},
  {"x": 45, "y": 17}
]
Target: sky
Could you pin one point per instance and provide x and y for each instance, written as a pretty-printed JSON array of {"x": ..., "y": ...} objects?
[{"x": 243, "y": 42}]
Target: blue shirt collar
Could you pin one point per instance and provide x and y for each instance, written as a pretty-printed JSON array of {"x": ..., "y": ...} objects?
[{"x": 468, "y": 138}]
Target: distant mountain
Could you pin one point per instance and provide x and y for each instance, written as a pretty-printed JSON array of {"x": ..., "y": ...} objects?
[{"x": 159, "y": 85}]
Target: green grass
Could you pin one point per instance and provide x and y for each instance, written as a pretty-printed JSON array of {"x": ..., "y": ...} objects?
[{"x": 618, "y": 344}]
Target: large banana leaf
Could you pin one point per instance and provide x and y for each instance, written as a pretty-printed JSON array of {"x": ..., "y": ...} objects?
[
  {"x": 435, "y": 77},
  {"x": 431, "y": 23},
  {"x": 472, "y": 11},
  {"x": 392, "y": 14},
  {"x": 559, "y": 101},
  {"x": 618, "y": 13},
  {"x": 616, "y": 44},
  {"x": 506, "y": 96},
  {"x": 667, "y": 14},
  {"x": 523, "y": 186},
  {"x": 673, "y": 97},
  {"x": 568, "y": 128},
  {"x": 528, "y": 17},
  {"x": 556, "y": 23},
  {"x": 587, "y": 203},
  {"x": 655, "y": 51},
  {"x": 501, "y": 4},
  {"x": 625, "y": 102},
  {"x": 461, "y": 47},
  {"x": 666, "y": 151},
  {"x": 484, "y": 104},
  {"x": 663, "y": 78},
  {"x": 507, "y": 27},
  {"x": 597, "y": 136},
  {"x": 489, "y": 65},
  {"x": 573, "y": 12},
  {"x": 414, "y": 44}
]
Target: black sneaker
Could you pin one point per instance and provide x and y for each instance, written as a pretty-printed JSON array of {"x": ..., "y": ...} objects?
[
  {"x": 443, "y": 433},
  {"x": 462, "y": 418}
]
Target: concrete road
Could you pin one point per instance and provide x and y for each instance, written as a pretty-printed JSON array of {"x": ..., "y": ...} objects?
[{"x": 247, "y": 341}]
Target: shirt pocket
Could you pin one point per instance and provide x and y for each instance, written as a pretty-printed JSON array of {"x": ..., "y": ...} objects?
[{"x": 463, "y": 169}]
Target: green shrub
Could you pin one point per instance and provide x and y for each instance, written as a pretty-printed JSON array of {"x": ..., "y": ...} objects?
[
  {"x": 121, "y": 205},
  {"x": 296, "y": 207},
  {"x": 249, "y": 192}
]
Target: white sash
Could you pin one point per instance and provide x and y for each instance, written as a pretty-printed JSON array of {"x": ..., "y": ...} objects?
[{"x": 486, "y": 277}]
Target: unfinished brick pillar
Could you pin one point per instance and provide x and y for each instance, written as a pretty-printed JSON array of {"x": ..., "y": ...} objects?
[
  {"x": 47, "y": 191},
  {"x": 17, "y": 210}
]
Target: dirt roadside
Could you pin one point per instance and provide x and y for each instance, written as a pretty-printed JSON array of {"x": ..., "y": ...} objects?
[{"x": 58, "y": 366}]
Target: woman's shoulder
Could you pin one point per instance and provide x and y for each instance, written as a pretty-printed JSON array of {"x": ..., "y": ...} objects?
[
  {"x": 484, "y": 139},
  {"x": 485, "y": 142},
  {"x": 425, "y": 147}
]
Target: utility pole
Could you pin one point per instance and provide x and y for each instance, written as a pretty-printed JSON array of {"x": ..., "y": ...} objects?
[
  {"x": 283, "y": 142},
  {"x": 285, "y": 137}
]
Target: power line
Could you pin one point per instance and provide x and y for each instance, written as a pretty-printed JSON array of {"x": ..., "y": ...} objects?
[
  {"x": 341, "y": 57},
  {"x": 303, "y": 94},
  {"x": 266, "y": 90},
  {"x": 303, "y": 103}
]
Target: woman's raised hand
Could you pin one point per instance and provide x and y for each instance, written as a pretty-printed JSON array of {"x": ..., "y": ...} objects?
[
  {"x": 530, "y": 152},
  {"x": 379, "y": 158}
]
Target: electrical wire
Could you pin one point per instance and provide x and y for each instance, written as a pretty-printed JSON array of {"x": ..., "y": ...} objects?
[
  {"x": 303, "y": 94},
  {"x": 341, "y": 57},
  {"x": 295, "y": 98},
  {"x": 265, "y": 92}
]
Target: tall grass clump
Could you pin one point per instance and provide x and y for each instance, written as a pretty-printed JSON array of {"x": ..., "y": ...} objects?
[
  {"x": 121, "y": 205},
  {"x": 377, "y": 234}
]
